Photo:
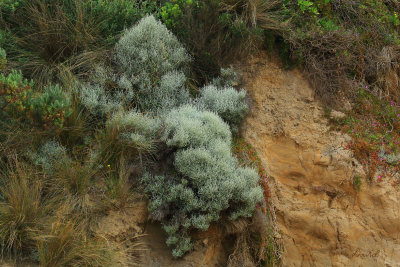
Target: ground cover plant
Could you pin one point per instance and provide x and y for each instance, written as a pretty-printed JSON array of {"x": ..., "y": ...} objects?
[
  {"x": 342, "y": 43},
  {"x": 373, "y": 123}
]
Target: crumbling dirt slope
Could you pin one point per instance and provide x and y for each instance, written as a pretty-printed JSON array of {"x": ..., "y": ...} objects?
[
  {"x": 142, "y": 242},
  {"x": 321, "y": 219}
]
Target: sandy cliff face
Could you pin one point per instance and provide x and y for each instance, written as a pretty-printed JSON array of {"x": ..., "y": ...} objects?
[{"x": 322, "y": 220}]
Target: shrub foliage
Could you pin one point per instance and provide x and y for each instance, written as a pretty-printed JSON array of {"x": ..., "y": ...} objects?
[{"x": 207, "y": 179}]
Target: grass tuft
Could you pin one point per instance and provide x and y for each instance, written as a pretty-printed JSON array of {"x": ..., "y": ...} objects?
[
  {"x": 22, "y": 208},
  {"x": 67, "y": 244}
]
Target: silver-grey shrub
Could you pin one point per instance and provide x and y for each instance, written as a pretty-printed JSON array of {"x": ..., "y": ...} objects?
[
  {"x": 188, "y": 126},
  {"x": 148, "y": 73},
  {"x": 49, "y": 155},
  {"x": 227, "y": 102},
  {"x": 100, "y": 100},
  {"x": 148, "y": 50},
  {"x": 206, "y": 180},
  {"x": 135, "y": 129},
  {"x": 154, "y": 62},
  {"x": 228, "y": 77}
]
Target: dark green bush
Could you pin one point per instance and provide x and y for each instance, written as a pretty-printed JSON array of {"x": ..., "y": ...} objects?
[
  {"x": 14, "y": 94},
  {"x": 45, "y": 109},
  {"x": 214, "y": 33},
  {"x": 51, "y": 107},
  {"x": 341, "y": 43},
  {"x": 117, "y": 15}
]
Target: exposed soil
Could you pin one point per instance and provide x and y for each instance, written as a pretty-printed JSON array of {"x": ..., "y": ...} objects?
[
  {"x": 322, "y": 220},
  {"x": 144, "y": 241}
]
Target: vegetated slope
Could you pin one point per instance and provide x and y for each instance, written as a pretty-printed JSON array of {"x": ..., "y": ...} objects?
[{"x": 323, "y": 220}]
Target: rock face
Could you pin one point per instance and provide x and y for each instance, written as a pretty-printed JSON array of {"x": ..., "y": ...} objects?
[{"x": 322, "y": 220}]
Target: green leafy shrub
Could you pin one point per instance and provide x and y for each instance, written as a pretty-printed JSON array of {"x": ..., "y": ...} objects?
[
  {"x": 149, "y": 50},
  {"x": 14, "y": 93},
  {"x": 155, "y": 58},
  {"x": 48, "y": 109},
  {"x": 207, "y": 179},
  {"x": 10, "y": 5},
  {"x": 100, "y": 97},
  {"x": 188, "y": 127},
  {"x": 51, "y": 107},
  {"x": 171, "y": 12}
]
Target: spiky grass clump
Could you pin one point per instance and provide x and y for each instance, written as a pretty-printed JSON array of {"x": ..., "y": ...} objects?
[
  {"x": 22, "y": 208},
  {"x": 118, "y": 189},
  {"x": 72, "y": 182},
  {"x": 129, "y": 135},
  {"x": 52, "y": 39},
  {"x": 67, "y": 244}
]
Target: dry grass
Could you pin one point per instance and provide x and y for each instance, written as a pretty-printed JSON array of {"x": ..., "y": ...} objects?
[
  {"x": 326, "y": 70},
  {"x": 263, "y": 13},
  {"x": 15, "y": 140},
  {"x": 51, "y": 214},
  {"x": 56, "y": 41},
  {"x": 114, "y": 148},
  {"x": 22, "y": 208},
  {"x": 72, "y": 182},
  {"x": 340, "y": 61},
  {"x": 255, "y": 244},
  {"x": 118, "y": 186},
  {"x": 68, "y": 244},
  {"x": 76, "y": 127}
]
